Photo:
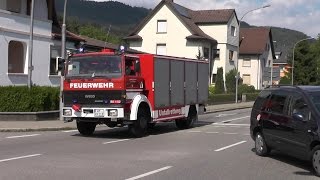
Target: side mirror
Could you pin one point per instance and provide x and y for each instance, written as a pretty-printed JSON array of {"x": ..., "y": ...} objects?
[
  {"x": 299, "y": 117},
  {"x": 60, "y": 66},
  {"x": 137, "y": 66}
]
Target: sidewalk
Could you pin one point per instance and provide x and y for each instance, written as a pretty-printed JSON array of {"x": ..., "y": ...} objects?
[{"x": 55, "y": 125}]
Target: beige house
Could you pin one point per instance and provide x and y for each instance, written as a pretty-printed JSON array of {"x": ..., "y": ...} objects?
[
  {"x": 173, "y": 30},
  {"x": 256, "y": 56}
]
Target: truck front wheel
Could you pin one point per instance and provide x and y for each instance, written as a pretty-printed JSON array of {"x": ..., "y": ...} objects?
[
  {"x": 86, "y": 128},
  {"x": 189, "y": 121},
  {"x": 139, "y": 127}
]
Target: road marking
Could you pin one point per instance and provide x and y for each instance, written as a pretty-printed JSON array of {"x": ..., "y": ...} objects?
[
  {"x": 235, "y": 119},
  {"x": 230, "y": 133},
  {"x": 223, "y": 115},
  {"x": 150, "y": 173},
  {"x": 212, "y": 132},
  {"x": 224, "y": 148},
  {"x": 30, "y": 135},
  {"x": 70, "y": 131},
  {"x": 234, "y": 124},
  {"x": 194, "y": 131},
  {"x": 21, "y": 157},
  {"x": 110, "y": 142}
]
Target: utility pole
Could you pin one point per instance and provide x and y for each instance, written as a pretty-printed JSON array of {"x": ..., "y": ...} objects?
[
  {"x": 30, "y": 49},
  {"x": 237, "y": 76}
]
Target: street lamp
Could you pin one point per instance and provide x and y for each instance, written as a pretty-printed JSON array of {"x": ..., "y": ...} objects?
[
  {"x": 63, "y": 52},
  {"x": 293, "y": 56},
  {"x": 237, "y": 77},
  {"x": 30, "y": 49}
]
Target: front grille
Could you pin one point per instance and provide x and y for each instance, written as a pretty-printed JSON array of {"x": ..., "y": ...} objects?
[{"x": 92, "y": 98}]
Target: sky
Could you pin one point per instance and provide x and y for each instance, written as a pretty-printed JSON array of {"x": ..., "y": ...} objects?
[{"x": 300, "y": 15}]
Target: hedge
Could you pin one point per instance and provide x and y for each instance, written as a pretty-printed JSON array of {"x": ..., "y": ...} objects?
[
  {"x": 229, "y": 98},
  {"x": 22, "y": 99}
]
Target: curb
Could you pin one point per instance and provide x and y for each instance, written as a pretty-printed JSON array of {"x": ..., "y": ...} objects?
[
  {"x": 226, "y": 109},
  {"x": 36, "y": 129}
]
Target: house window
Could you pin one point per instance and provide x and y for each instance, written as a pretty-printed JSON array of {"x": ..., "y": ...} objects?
[
  {"x": 216, "y": 53},
  {"x": 162, "y": 26},
  {"x": 55, "y": 52},
  {"x": 16, "y": 57},
  {"x": 161, "y": 49},
  {"x": 246, "y": 62},
  {"x": 206, "y": 53},
  {"x": 214, "y": 78},
  {"x": 231, "y": 55},
  {"x": 14, "y": 6},
  {"x": 233, "y": 31},
  {"x": 246, "y": 79}
]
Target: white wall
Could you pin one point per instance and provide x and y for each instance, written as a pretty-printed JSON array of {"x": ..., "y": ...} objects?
[{"x": 175, "y": 38}]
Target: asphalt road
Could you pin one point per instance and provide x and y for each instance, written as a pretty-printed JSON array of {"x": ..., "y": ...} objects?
[{"x": 219, "y": 147}]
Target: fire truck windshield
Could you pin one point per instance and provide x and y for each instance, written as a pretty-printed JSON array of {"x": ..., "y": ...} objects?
[{"x": 94, "y": 66}]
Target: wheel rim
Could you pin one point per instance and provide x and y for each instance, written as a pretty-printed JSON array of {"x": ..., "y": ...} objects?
[
  {"x": 259, "y": 143},
  {"x": 316, "y": 161}
]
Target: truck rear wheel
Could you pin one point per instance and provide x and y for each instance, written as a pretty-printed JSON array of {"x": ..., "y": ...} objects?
[
  {"x": 86, "y": 128},
  {"x": 189, "y": 121},
  {"x": 139, "y": 127}
]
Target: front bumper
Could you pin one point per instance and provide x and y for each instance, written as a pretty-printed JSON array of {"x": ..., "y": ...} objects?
[{"x": 89, "y": 112}]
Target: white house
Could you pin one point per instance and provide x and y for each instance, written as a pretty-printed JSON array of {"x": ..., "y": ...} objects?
[
  {"x": 256, "y": 56},
  {"x": 14, "y": 42},
  {"x": 173, "y": 30}
]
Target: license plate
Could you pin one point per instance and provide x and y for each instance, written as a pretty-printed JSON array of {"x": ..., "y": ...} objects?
[{"x": 99, "y": 113}]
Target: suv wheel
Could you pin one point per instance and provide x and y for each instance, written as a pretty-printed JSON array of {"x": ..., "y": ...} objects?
[
  {"x": 260, "y": 145},
  {"x": 316, "y": 160}
]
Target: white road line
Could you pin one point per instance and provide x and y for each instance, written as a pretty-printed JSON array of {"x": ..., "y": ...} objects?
[
  {"x": 234, "y": 124},
  {"x": 110, "y": 142},
  {"x": 150, "y": 173},
  {"x": 70, "y": 131},
  {"x": 21, "y": 157},
  {"x": 212, "y": 132},
  {"x": 235, "y": 119},
  {"x": 224, "y": 148},
  {"x": 230, "y": 133},
  {"x": 194, "y": 131},
  {"x": 30, "y": 135}
]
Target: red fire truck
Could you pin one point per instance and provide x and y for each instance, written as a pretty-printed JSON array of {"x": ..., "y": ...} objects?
[{"x": 137, "y": 90}]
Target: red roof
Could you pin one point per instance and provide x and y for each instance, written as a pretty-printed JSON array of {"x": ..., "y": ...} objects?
[{"x": 254, "y": 40}]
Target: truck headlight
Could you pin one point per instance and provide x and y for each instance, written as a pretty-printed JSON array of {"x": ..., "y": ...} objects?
[
  {"x": 67, "y": 112},
  {"x": 113, "y": 112}
]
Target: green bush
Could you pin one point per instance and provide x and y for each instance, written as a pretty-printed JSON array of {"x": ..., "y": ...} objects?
[
  {"x": 211, "y": 90},
  {"x": 22, "y": 99},
  {"x": 219, "y": 87},
  {"x": 231, "y": 81},
  {"x": 251, "y": 96},
  {"x": 221, "y": 98},
  {"x": 244, "y": 88}
]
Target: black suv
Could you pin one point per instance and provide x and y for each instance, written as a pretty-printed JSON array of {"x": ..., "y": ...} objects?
[{"x": 287, "y": 119}]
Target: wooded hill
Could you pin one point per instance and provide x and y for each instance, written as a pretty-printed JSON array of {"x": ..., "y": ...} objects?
[{"x": 98, "y": 16}]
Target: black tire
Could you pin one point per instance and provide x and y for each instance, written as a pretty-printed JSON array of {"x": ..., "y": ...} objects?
[
  {"x": 86, "y": 128},
  {"x": 260, "y": 145},
  {"x": 151, "y": 125},
  {"x": 315, "y": 158},
  {"x": 139, "y": 127},
  {"x": 189, "y": 121}
]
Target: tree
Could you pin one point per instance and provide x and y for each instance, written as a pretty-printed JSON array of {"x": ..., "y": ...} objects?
[
  {"x": 231, "y": 81},
  {"x": 219, "y": 89},
  {"x": 305, "y": 65}
]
